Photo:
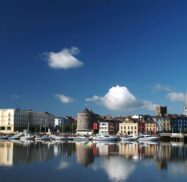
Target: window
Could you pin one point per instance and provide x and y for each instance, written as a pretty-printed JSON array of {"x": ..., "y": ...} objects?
[{"x": 8, "y": 128}]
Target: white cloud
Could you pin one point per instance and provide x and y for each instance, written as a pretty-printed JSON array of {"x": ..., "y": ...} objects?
[
  {"x": 64, "y": 59},
  {"x": 165, "y": 88},
  {"x": 119, "y": 98},
  {"x": 64, "y": 99},
  {"x": 149, "y": 105},
  {"x": 176, "y": 96}
]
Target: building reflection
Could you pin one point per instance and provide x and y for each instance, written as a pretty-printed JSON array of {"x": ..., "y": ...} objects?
[
  {"x": 12, "y": 153},
  {"x": 105, "y": 149},
  {"x": 84, "y": 154},
  {"x": 161, "y": 164},
  {"x": 6, "y": 153}
]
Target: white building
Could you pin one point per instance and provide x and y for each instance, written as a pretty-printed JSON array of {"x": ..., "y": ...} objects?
[
  {"x": 12, "y": 120},
  {"x": 57, "y": 122},
  {"x": 104, "y": 128}
]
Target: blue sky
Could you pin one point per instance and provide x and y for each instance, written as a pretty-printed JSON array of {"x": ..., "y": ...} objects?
[{"x": 57, "y": 55}]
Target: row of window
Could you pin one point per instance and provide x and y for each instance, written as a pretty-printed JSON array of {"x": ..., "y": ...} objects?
[
  {"x": 2, "y": 128},
  {"x": 150, "y": 125},
  {"x": 128, "y": 127}
]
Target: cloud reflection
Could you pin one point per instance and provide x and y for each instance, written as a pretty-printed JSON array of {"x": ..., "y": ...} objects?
[
  {"x": 63, "y": 165},
  {"x": 117, "y": 168}
]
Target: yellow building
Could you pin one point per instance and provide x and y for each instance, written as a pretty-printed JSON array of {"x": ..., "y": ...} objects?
[
  {"x": 166, "y": 124},
  {"x": 127, "y": 127},
  {"x": 150, "y": 127}
]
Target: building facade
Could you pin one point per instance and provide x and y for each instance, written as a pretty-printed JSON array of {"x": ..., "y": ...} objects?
[
  {"x": 179, "y": 124},
  {"x": 41, "y": 121},
  {"x": 150, "y": 127},
  {"x": 127, "y": 127},
  {"x": 85, "y": 120},
  {"x": 12, "y": 120},
  {"x": 162, "y": 123}
]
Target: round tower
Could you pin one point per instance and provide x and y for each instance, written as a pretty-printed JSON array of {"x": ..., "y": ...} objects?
[{"x": 85, "y": 121}]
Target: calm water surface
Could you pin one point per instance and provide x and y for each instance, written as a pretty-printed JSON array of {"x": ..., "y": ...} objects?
[{"x": 87, "y": 162}]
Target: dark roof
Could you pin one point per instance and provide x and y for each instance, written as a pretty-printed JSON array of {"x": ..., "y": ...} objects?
[{"x": 86, "y": 110}]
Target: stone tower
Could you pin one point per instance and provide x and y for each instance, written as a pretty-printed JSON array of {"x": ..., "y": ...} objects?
[{"x": 85, "y": 121}]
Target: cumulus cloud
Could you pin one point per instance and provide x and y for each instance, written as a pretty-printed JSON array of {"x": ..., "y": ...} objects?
[
  {"x": 119, "y": 98},
  {"x": 64, "y": 59},
  {"x": 64, "y": 99},
  {"x": 165, "y": 88},
  {"x": 148, "y": 105},
  {"x": 176, "y": 96}
]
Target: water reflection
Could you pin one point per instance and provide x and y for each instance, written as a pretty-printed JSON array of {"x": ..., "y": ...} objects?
[
  {"x": 84, "y": 153},
  {"x": 119, "y": 161},
  {"x": 14, "y": 152},
  {"x": 117, "y": 168}
]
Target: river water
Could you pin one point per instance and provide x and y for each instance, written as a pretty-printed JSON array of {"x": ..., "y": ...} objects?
[{"x": 92, "y": 162}]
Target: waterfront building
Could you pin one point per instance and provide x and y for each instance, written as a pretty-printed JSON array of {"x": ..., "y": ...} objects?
[
  {"x": 108, "y": 126},
  {"x": 12, "y": 120},
  {"x": 141, "y": 127},
  {"x": 104, "y": 127},
  {"x": 64, "y": 124},
  {"x": 128, "y": 126},
  {"x": 150, "y": 127},
  {"x": 58, "y": 122},
  {"x": 95, "y": 127},
  {"x": 41, "y": 120},
  {"x": 163, "y": 123},
  {"x": 178, "y": 123},
  {"x": 85, "y": 120}
]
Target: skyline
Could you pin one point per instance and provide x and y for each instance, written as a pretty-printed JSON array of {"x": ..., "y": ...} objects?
[{"x": 116, "y": 58}]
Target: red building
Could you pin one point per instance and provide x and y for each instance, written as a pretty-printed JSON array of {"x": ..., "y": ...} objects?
[
  {"x": 95, "y": 127},
  {"x": 141, "y": 127}
]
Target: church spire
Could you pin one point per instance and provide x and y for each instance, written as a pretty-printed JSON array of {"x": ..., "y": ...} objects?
[{"x": 185, "y": 104}]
